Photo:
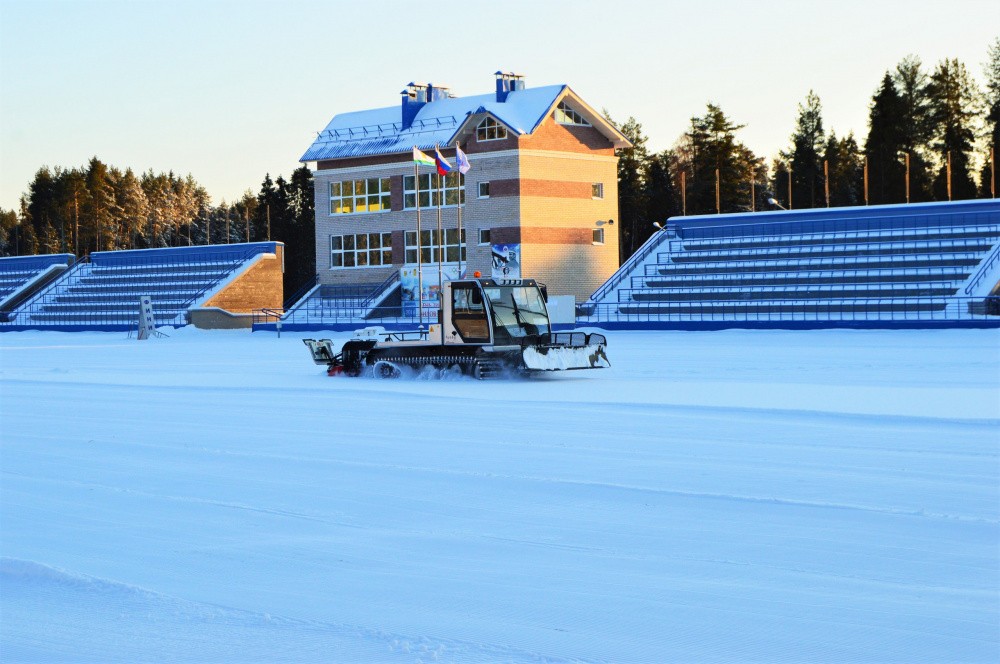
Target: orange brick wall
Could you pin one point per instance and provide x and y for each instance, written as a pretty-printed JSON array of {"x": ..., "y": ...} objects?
[
  {"x": 541, "y": 196},
  {"x": 259, "y": 287}
]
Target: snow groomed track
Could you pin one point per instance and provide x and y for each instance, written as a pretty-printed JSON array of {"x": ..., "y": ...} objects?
[{"x": 728, "y": 496}]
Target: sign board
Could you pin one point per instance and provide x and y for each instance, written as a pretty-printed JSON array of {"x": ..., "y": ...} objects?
[
  {"x": 506, "y": 261},
  {"x": 147, "y": 323},
  {"x": 410, "y": 283}
]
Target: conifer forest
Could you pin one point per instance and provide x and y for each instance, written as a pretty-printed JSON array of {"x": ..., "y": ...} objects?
[{"x": 933, "y": 134}]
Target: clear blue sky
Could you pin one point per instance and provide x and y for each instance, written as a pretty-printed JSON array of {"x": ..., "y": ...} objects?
[{"x": 228, "y": 91}]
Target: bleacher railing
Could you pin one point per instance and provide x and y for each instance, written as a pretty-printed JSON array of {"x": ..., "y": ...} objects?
[
  {"x": 871, "y": 309},
  {"x": 984, "y": 269},
  {"x": 860, "y": 309},
  {"x": 625, "y": 270},
  {"x": 877, "y": 221}
]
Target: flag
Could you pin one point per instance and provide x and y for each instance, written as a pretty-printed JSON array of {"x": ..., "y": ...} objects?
[
  {"x": 421, "y": 159},
  {"x": 442, "y": 164},
  {"x": 462, "y": 161}
]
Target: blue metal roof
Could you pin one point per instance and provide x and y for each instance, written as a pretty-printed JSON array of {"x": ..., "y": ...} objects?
[{"x": 379, "y": 131}]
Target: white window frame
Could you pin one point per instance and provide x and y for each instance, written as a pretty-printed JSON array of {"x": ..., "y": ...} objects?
[
  {"x": 490, "y": 130},
  {"x": 367, "y": 196},
  {"x": 349, "y": 254},
  {"x": 598, "y": 237},
  {"x": 481, "y": 194},
  {"x": 597, "y": 190},
  {"x": 454, "y": 191},
  {"x": 567, "y": 116},
  {"x": 484, "y": 237},
  {"x": 430, "y": 246}
]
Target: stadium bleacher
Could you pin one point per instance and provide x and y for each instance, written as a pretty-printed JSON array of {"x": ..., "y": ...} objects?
[
  {"x": 103, "y": 292},
  {"x": 329, "y": 303},
  {"x": 20, "y": 276},
  {"x": 873, "y": 265}
]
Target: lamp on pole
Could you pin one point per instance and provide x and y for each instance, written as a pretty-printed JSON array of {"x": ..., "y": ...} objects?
[{"x": 776, "y": 204}]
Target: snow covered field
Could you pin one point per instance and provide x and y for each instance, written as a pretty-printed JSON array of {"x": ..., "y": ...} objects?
[{"x": 714, "y": 496}]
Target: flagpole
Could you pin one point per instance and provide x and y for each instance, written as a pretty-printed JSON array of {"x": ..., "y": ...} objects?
[
  {"x": 440, "y": 239},
  {"x": 420, "y": 272},
  {"x": 461, "y": 190},
  {"x": 463, "y": 166}
]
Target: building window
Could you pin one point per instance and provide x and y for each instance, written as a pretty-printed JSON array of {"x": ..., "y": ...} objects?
[
  {"x": 454, "y": 190},
  {"x": 484, "y": 189},
  {"x": 567, "y": 116},
  {"x": 430, "y": 246},
  {"x": 598, "y": 236},
  {"x": 361, "y": 250},
  {"x": 597, "y": 190},
  {"x": 484, "y": 236},
  {"x": 353, "y": 196},
  {"x": 490, "y": 130}
]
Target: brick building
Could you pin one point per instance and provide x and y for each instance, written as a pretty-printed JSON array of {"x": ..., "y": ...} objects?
[{"x": 540, "y": 200}]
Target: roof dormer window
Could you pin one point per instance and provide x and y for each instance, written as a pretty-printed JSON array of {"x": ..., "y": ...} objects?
[
  {"x": 567, "y": 116},
  {"x": 490, "y": 130}
]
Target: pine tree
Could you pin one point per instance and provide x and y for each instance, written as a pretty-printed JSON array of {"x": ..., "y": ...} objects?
[
  {"x": 916, "y": 126},
  {"x": 42, "y": 210},
  {"x": 26, "y": 241},
  {"x": 989, "y": 183},
  {"x": 245, "y": 211},
  {"x": 662, "y": 189},
  {"x": 884, "y": 145},
  {"x": 265, "y": 210},
  {"x": 100, "y": 209},
  {"x": 710, "y": 154},
  {"x": 955, "y": 103},
  {"x": 632, "y": 203},
  {"x": 73, "y": 197},
  {"x": 135, "y": 209},
  {"x": 300, "y": 247},
  {"x": 844, "y": 162},
  {"x": 779, "y": 184},
  {"x": 8, "y": 232},
  {"x": 807, "y": 142}
]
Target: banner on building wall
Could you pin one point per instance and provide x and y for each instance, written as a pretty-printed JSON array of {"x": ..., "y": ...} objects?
[
  {"x": 506, "y": 261},
  {"x": 410, "y": 283}
]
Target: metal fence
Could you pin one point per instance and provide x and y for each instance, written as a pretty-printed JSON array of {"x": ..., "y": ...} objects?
[
  {"x": 942, "y": 309},
  {"x": 847, "y": 312}
]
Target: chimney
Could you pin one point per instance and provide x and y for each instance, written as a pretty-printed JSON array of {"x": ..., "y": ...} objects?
[
  {"x": 508, "y": 82},
  {"x": 415, "y": 95},
  {"x": 414, "y": 98}
]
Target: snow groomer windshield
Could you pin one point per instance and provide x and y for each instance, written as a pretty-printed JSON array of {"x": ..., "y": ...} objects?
[{"x": 518, "y": 311}]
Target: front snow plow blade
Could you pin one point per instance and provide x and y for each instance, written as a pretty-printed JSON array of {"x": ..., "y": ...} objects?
[{"x": 564, "y": 351}]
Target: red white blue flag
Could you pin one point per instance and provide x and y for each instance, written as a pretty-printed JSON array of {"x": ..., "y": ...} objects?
[{"x": 442, "y": 164}]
